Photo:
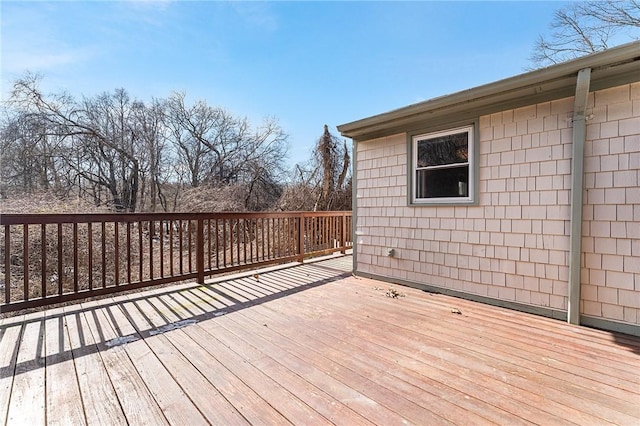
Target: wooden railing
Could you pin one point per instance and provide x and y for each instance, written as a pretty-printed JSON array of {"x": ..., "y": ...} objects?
[{"x": 53, "y": 258}]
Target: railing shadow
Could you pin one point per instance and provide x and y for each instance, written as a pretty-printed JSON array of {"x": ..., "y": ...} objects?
[{"x": 50, "y": 337}]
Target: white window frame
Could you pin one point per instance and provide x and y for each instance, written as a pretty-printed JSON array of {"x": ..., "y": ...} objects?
[{"x": 471, "y": 164}]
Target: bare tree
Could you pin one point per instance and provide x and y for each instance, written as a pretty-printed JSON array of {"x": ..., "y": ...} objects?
[
  {"x": 190, "y": 129},
  {"x": 120, "y": 152},
  {"x": 27, "y": 163},
  {"x": 149, "y": 126},
  {"x": 334, "y": 160},
  {"x": 582, "y": 28},
  {"x": 99, "y": 134},
  {"x": 216, "y": 149},
  {"x": 324, "y": 182}
]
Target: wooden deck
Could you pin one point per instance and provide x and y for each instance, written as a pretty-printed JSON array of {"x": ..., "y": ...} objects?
[{"x": 310, "y": 345}]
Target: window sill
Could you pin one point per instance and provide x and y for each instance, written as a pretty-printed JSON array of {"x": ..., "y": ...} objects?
[{"x": 443, "y": 202}]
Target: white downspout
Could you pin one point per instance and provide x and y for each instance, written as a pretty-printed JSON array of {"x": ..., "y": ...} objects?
[{"x": 577, "y": 178}]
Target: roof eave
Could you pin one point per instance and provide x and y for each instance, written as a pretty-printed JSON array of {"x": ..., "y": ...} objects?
[{"x": 614, "y": 66}]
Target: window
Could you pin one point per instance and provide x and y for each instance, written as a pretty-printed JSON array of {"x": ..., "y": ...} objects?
[{"x": 443, "y": 167}]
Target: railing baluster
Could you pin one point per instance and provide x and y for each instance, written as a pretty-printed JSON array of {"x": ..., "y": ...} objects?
[
  {"x": 161, "y": 249},
  {"x": 25, "y": 260},
  {"x": 7, "y": 264},
  {"x": 180, "y": 245},
  {"x": 200, "y": 250},
  {"x": 128, "y": 252},
  {"x": 279, "y": 253},
  {"x": 217, "y": 245},
  {"x": 262, "y": 239},
  {"x": 209, "y": 242},
  {"x": 90, "y": 263},
  {"x": 171, "y": 248},
  {"x": 43, "y": 262},
  {"x": 343, "y": 234},
  {"x": 60, "y": 270},
  {"x": 116, "y": 252},
  {"x": 269, "y": 225},
  {"x": 104, "y": 254},
  {"x": 189, "y": 243},
  {"x": 238, "y": 238},
  {"x": 231, "y": 244},
  {"x": 244, "y": 239},
  {"x": 75, "y": 257},
  {"x": 323, "y": 227},
  {"x": 140, "y": 250},
  {"x": 250, "y": 240},
  {"x": 224, "y": 242},
  {"x": 300, "y": 243},
  {"x": 151, "y": 236}
]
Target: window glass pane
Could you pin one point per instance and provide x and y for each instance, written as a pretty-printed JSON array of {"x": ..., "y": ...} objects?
[
  {"x": 438, "y": 183},
  {"x": 449, "y": 149}
]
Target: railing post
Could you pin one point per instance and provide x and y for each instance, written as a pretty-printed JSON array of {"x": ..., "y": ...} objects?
[
  {"x": 200, "y": 250},
  {"x": 343, "y": 234},
  {"x": 301, "y": 237}
]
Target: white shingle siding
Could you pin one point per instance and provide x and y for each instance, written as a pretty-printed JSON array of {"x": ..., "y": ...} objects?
[{"x": 514, "y": 244}]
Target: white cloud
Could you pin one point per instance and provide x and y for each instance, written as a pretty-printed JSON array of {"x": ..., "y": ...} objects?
[
  {"x": 150, "y": 4},
  {"x": 18, "y": 60},
  {"x": 256, "y": 14}
]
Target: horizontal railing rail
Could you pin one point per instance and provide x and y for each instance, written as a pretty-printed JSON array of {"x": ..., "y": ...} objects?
[{"x": 54, "y": 258}]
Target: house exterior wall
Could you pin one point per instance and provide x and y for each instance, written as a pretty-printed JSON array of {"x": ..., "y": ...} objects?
[{"x": 513, "y": 245}]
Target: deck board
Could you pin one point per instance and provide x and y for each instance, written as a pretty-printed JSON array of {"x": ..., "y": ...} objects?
[
  {"x": 99, "y": 399},
  {"x": 380, "y": 344},
  {"x": 309, "y": 344},
  {"x": 172, "y": 399},
  {"x": 9, "y": 346},
  {"x": 516, "y": 358},
  {"x": 27, "y": 394},
  {"x": 204, "y": 357},
  {"x": 63, "y": 399},
  {"x": 137, "y": 402},
  {"x": 450, "y": 342},
  {"x": 464, "y": 396}
]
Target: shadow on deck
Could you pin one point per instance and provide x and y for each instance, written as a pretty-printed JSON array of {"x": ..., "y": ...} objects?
[
  {"x": 309, "y": 344},
  {"x": 172, "y": 308}
]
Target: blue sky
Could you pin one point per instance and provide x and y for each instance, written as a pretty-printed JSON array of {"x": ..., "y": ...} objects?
[{"x": 306, "y": 63}]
